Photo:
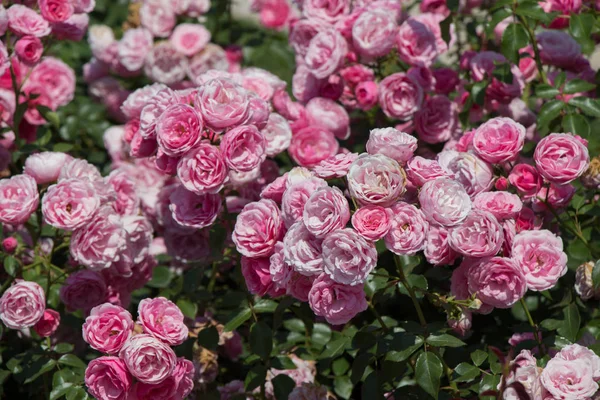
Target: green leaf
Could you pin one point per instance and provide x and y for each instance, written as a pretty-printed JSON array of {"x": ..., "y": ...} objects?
[
  {"x": 478, "y": 357},
  {"x": 335, "y": 347},
  {"x": 514, "y": 38},
  {"x": 580, "y": 25},
  {"x": 45, "y": 139},
  {"x": 428, "y": 372},
  {"x": 342, "y": 386},
  {"x": 282, "y": 362},
  {"x": 11, "y": 265},
  {"x": 321, "y": 335},
  {"x": 577, "y": 124},
  {"x": 76, "y": 393},
  {"x": 530, "y": 9},
  {"x": 546, "y": 91},
  {"x": 255, "y": 377},
  {"x": 371, "y": 388},
  {"x": 63, "y": 376},
  {"x": 340, "y": 366},
  {"x": 596, "y": 275},
  {"x": 578, "y": 86},
  {"x": 549, "y": 111},
  {"x": 570, "y": 325},
  {"x": 560, "y": 79},
  {"x": 445, "y": 28},
  {"x": 294, "y": 325},
  {"x": 241, "y": 317},
  {"x": 60, "y": 390},
  {"x": 161, "y": 277},
  {"x": 283, "y": 386},
  {"x": 62, "y": 348},
  {"x": 261, "y": 339},
  {"x": 208, "y": 338},
  {"x": 445, "y": 340},
  {"x": 45, "y": 367},
  {"x": 403, "y": 346},
  {"x": 72, "y": 361},
  {"x": 188, "y": 308},
  {"x": 359, "y": 366},
  {"x": 589, "y": 106},
  {"x": 498, "y": 17},
  {"x": 551, "y": 324},
  {"x": 63, "y": 147},
  {"x": 466, "y": 372},
  {"x": 265, "y": 306}
]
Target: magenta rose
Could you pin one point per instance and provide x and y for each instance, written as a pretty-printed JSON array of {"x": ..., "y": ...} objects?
[
  {"x": 22, "y": 305},
  {"x": 162, "y": 319},
  {"x": 178, "y": 129},
  {"x": 45, "y": 167},
  {"x": 70, "y": 204},
  {"x": 194, "y": 210},
  {"x": 302, "y": 250},
  {"x": 417, "y": 44},
  {"x": 83, "y": 290},
  {"x": 569, "y": 379},
  {"x": 408, "y": 231},
  {"x": 203, "y": 169},
  {"x": 393, "y": 143},
  {"x": 48, "y": 324},
  {"x": 474, "y": 174},
  {"x": 336, "y": 166},
  {"x": 330, "y": 115},
  {"x": 312, "y": 145},
  {"x": 29, "y": 49},
  {"x": 444, "y": 201},
  {"x": 148, "y": 359},
  {"x": 498, "y": 282},
  {"x": 325, "y": 53},
  {"x": 376, "y": 179},
  {"x": 499, "y": 140},
  {"x": 400, "y": 96},
  {"x": 374, "y": 33},
  {"x": 325, "y": 211},
  {"x": 561, "y": 158},
  {"x": 243, "y": 148},
  {"x": 526, "y": 179},
  {"x": 107, "y": 328},
  {"x": 437, "y": 120},
  {"x": 336, "y": 302},
  {"x": 347, "y": 257},
  {"x": 107, "y": 378},
  {"x": 23, "y": 21},
  {"x": 372, "y": 222},
  {"x": 19, "y": 198},
  {"x": 503, "y": 205},
  {"x": 479, "y": 235},
  {"x": 258, "y": 228},
  {"x": 223, "y": 104},
  {"x": 540, "y": 256},
  {"x": 437, "y": 249}
]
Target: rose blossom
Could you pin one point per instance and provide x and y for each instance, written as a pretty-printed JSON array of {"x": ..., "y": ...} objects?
[
  {"x": 10, "y": 244},
  {"x": 325, "y": 53},
  {"x": 400, "y": 96},
  {"x": 561, "y": 158},
  {"x": 222, "y": 103},
  {"x": 23, "y": 20},
  {"x": 579, "y": 352},
  {"x": 417, "y": 44},
  {"x": 107, "y": 328},
  {"x": 48, "y": 324},
  {"x": 373, "y": 33},
  {"x": 29, "y": 49},
  {"x": 526, "y": 179},
  {"x": 203, "y": 169},
  {"x": 243, "y": 148},
  {"x": 158, "y": 17},
  {"x": 278, "y": 135},
  {"x": 336, "y": 302},
  {"x": 335, "y": 166},
  {"x": 372, "y": 222},
  {"x": 499, "y": 140},
  {"x": 325, "y": 211},
  {"x": 162, "y": 319},
  {"x": 22, "y": 304},
  {"x": 281, "y": 272},
  {"x": 133, "y": 49},
  {"x": 330, "y": 115},
  {"x": 479, "y": 235},
  {"x": 329, "y": 12},
  {"x": 45, "y": 167},
  {"x": 189, "y": 39},
  {"x": 177, "y": 386},
  {"x": 178, "y": 129},
  {"x": 107, "y": 378},
  {"x": 375, "y": 179},
  {"x": 302, "y": 250},
  {"x": 540, "y": 256},
  {"x": 502, "y": 205},
  {"x": 569, "y": 379},
  {"x": 148, "y": 359},
  {"x": 312, "y": 145},
  {"x": 347, "y": 257},
  {"x": 408, "y": 231},
  {"x": 164, "y": 64},
  {"x": 70, "y": 204},
  {"x": 437, "y": 249},
  {"x": 498, "y": 282},
  {"x": 437, "y": 120},
  {"x": 296, "y": 195},
  {"x": 473, "y": 173},
  {"x": 19, "y": 199},
  {"x": 257, "y": 229},
  {"x": 444, "y": 201},
  {"x": 83, "y": 290},
  {"x": 393, "y": 143},
  {"x": 558, "y": 48},
  {"x": 420, "y": 170},
  {"x": 56, "y": 10}
]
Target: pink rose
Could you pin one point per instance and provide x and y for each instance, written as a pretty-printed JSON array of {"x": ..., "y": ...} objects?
[
  {"x": 526, "y": 179},
  {"x": 107, "y": 378},
  {"x": 22, "y": 305},
  {"x": 178, "y": 129},
  {"x": 376, "y": 179},
  {"x": 83, "y": 290},
  {"x": 223, "y": 104},
  {"x": 373, "y": 33},
  {"x": 400, "y": 96},
  {"x": 437, "y": 120},
  {"x": 408, "y": 231},
  {"x": 127, "y": 201},
  {"x": 503, "y": 205},
  {"x": 56, "y": 10},
  {"x": 325, "y": 211},
  {"x": 203, "y": 169},
  {"x": 157, "y": 17},
  {"x": 107, "y": 328},
  {"x": 212, "y": 58},
  {"x": 302, "y": 250},
  {"x": 540, "y": 256},
  {"x": 337, "y": 303},
  {"x": 366, "y": 95},
  {"x": 148, "y": 359},
  {"x": 243, "y": 148},
  {"x": 347, "y": 257},
  {"x": 444, "y": 201},
  {"x": 70, "y": 204},
  {"x": 577, "y": 352},
  {"x": 48, "y": 324},
  {"x": 557, "y": 196},
  {"x": 499, "y": 140},
  {"x": 561, "y": 158},
  {"x": 295, "y": 197},
  {"x": 162, "y": 319},
  {"x": 29, "y": 49},
  {"x": 257, "y": 275},
  {"x": 336, "y": 166},
  {"x": 164, "y": 64},
  {"x": 45, "y": 167},
  {"x": 194, "y": 210},
  {"x": 302, "y": 32},
  {"x": 326, "y": 53},
  {"x": 312, "y": 145},
  {"x": 372, "y": 222},
  {"x": 19, "y": 198},
  {"x": 177, "y": 386},
  {"x": 479, "y": 235},
  {"x": 421, "y": 170},
  {"x": 330, "y": 115},
  {"x": 189, "y": 39},
  {"x": 258, "y": 228},
  {"x": 23, "y": 20},
  {"x": 10, "y": 244},
  {"x": 135, "y": 102},
  {"x": 558, "y": 48},
  {"x": 74, "y": 28},
  {"x": 133, "y": 48},
  {"x": 417, "y": 44},
  {"x": 3, "y": 21},
  {"x": 329, "y": 12},
  {"x": 437, "y": 248},
  {"x": 391, "y": 142},
  {"x": 569, "y": 379},
  {"x": 281, "y": 271},
  {"x": 473, "y": 173},
  {"x": 497, "y": 282},
  {"x": 278, "y": 135},
  {"x": 57, "y": 80}
]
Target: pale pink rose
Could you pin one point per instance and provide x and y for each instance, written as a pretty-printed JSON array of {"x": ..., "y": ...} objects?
[
  {"x": 22, "y": 305},
  {"x": 278, "y": 135},
  {"x": 503, "y": 205},
  {"x": 348, "y": 258},
  {"x": 107, "y": 328},
  {"x": 312, "y": 145},
  {"x": 7, "y": 107},
  {"x": 262, "y": 82},
  {"x": 223, "y": 104},
  {"x": 281, "y": 271},
  {"x": 561, "y": 158},
  {"x": 203, "y": 169},
  {"x": 164, "y": 64},
  {"x": 499, "y": 140},
  {"x": 558, "y": 48},
  {"x": 257, "y": 275},
  {"x": 526, "y": 179},
  {"x": 328, "y": 114},
  {"x": 57, "y": 78},
  {"x": 3, "y": 20},
  {"x": 372, "y": 222},
  {"x": 417, "y": 44},
  {"x": 84, "y": 6},
  {"x": 19, "y": 198},
  {"x": 258, "y": 228},
  {"x": 127, "y": 201},
  {"x": 162, "y": 319},
  {"x": 83, "y": 290},
  {"x": 259, "y": 111},
  {"x": 376, "y": 179},
  {"x": 337, "y": 303},
  {"x": 154, "y": 108},
  {"x": 498, "y": 282},
  {"x": 325, "y": 211},
  {"x": 302, "y": 32},
  {"x": 540, "y": 256},
  {"x": 158, "y": 17},
  {"x": 463, "y": 324},
  {"x": 243, "y": 148},
  {"x": 107, "y": 378},
  {"x": 444, "y": 201},
  {"x": 308, "y": 391},
  {"x": 132, "y": 107},
  {"x": 103, "y": 44},
  {"x": 305, "y": 85},
  {"x": 408, "y": 231},
  {"x": 212, "y": 58},
  {"x": 326, "y": 53},
  {"x": 194, "y": 210},
  {"x": 74, "y": 28},
  {"x": 569, "y": 379},
  {"x": 302, "y": 250},
  {"x": 23, "y": 20},
  {"x": 29, "y": 49},
  {"x": 45, "y": 167},
  {"x": 48, "y": 324},
  {"x": 420, "y": 170},
  {"x": 335, "y": 166},
  {"x": 473, "y": 173},
  {"x": 178, "y": 129},
  {"x": 299, "y": 286},
  {"x": 578, "y": 352},
  {"x": 400, "y": 96},
  {"x": 295, "y": 197},
  {"x": 374, "y": 33},
  {"x": 70, "y": 204},
  {"x": 557, "y": 196},
  {"x": 329, "y": 12},
  {"x": 479, "y": 235},
  {"x": 189, "y": 39},
  {"x": 390, "y": 142},
  {"x": 148, "y": 359},
  {"x": 56, "y": 10},
  {"x": 133, "y": 48},
  {"x": 437, "y": 249},
  {"x": 437, "y": 120}
]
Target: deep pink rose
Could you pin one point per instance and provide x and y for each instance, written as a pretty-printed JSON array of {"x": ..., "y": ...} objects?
[
  {"x": 561, "y": 158},
  {"x": 10, "y": 244},
  {"x": 326, "y": 53},
  {"x": 400, "y": 96},
  {"x": 48, "y": 324},
  {"x": 22, "y": 305},
  {"x": 325, "y": 211},
  {"x": 367, "y": 95},
  {"x": 23, "y": 20},
  {"x": 133, "y": 48},
  {"x": 223, "y": 104},
  {"x": 162, "y": 319},
  {"x": 190, "y": 39},
  {"x": 558, "y": 48},
  {"x": 569, "y": 379},
  {"x": 526, "y": 179},
  {"x": 29, "y": 49},
  {"x": 479, "y": 235},
  {"x": 408, "y": 231},
  {"x": 70, "y": 204},
  {"x": 473, "y": 173},
  {"x": 437, "y": 120},
  {"x": 372, "y": 222},
  {"x": 312, "y": 145},
  {"x": 330, "y": 115},
  {"x": 302, "y": 250},
  {"x": 444, "y": 201},
  {"x": 148, "y": 359},
  {"x": 376, "y": 179},
  {"x": 243, "y": 148},
  {"x": 257, "y": 275},
  {"x": 499, "y": 140},
  {"x": 177, "y": 386},
  {"x": 393, "y": 143},
  {"x": 417, "y": 44},
  {"x": 83, "y": 290},
  {"x": 19, "y": 199},
  {"x": 347, "y": 257},
  {"x": 178, "y": 129},
  {"x": 56, "y": 10},
  {"x": 107, "y": 378},
  {"x": 498, "y": 282},
  {"x": 194, "y": 210},
  {"x": 258, "y": 228},
  {"x": 336, "y": 302},
  {"x": 374, "y": 33},
  {"x": 45, "y": 167},
  {"x": 107, "y": 328},
  {"x": 203, "y": 169},
  {"x": 503, "y": 205},
  {"x": 437, "y": 249}
]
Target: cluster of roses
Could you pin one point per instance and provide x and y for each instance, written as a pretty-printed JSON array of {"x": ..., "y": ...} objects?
[
  {"x": 140, "y": 362},
  {"x": 99, "y": 217}
]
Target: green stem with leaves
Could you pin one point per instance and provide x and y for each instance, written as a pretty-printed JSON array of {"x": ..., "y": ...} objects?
[
  {"x": 536, "y": 333},
  {"x": 411, "y": 293}
]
